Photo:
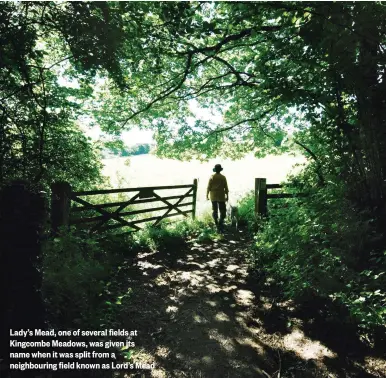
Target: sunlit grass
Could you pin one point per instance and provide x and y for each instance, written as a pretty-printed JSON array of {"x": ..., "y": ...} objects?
[{"x": 148, "y": 170}]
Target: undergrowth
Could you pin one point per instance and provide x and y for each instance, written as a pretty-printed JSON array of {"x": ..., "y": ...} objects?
[
  {"x": 80, "y": 270},
  {"x": 320, "y": 246},
  {"x": 77, "y": 272},
  {"x": 246, "y": 206},
  {"x": 175, "y": 235}
]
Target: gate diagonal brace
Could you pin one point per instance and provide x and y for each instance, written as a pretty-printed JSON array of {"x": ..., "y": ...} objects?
[
  {"x": 115, "y": 215},
  {"x": 103, "y": 212},
  {"x": 171, "y": 205}
]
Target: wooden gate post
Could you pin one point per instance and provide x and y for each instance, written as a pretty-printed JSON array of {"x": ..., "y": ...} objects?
[
  {"x": 195, "y": 184},
  {"x": 22, "y": 216},
  {"x": 60, "y": 205},
  {"x": 260, "y": 197}
]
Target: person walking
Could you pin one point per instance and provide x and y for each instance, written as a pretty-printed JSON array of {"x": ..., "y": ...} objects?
[{"x": 218, "y": 192}]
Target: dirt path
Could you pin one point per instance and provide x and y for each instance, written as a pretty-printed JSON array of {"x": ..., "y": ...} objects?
[{"x": 199, "y": 313}]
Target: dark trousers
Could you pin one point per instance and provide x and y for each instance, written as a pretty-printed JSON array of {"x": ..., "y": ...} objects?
[{"x": 216, "y": 205}]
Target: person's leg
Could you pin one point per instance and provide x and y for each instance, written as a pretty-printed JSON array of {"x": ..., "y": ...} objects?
[
  {"x": 223, "y": 213},
  {"x": 215, "y": 211}
]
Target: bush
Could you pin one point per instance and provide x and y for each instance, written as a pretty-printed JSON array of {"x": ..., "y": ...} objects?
[
  {"x": 76, "y": 268},
  {"x": 200, "y": 229},
  {"x": 314, "y": 246},
  {"x": 247, "y": 211},
  {"x": 175, "y": 235},
  {"x": 160, "y": 238}
]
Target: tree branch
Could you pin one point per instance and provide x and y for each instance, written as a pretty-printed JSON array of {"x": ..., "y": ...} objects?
[
  {"x": 318, "y": 164},
  {"x": 256, "y": 119},
  {"x": 29, "y": 84},
  {"x": 205, "y": 50},
  {"x": 240, "y": 80},
  {"x": 233, "y": 37},
  {"x": 164, "y": 93}
]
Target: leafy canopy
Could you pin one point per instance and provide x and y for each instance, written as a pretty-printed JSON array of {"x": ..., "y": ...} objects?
[{"x": 280, "y": 74}]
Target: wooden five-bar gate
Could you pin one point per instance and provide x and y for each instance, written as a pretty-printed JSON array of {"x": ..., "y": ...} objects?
[
  {"x": 98, "y": 217},
  {"x": 122, "y": 213}
]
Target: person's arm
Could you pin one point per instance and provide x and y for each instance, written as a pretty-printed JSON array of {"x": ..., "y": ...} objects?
[
  {"x": 226, "y": 189},
  {"x": 209, "y": 188}
]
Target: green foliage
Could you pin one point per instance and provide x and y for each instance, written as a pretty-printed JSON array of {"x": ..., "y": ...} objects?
[
  {"x": 265, "y": 68},
  {"x": 282, "y": 76},
  {"x": 190, "y": 227},
  {"x": 315, "y": 246},
  {"x": 174, "y": 236},
  {"x": 39, "y": 138},
  {"x": 365, "y": 295},
  {"x": 161, "y": 238},
  {"x": 207, "y": 234},
  {"x": 246, "y": 208},
  {"x": 199, "y": 230},
  {"x": 71, "y": 157},
  {"x": 137, "y": 149},
  {"x": 77, "y": 271}
]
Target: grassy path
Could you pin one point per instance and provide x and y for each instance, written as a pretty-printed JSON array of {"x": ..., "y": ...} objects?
[{"x": 199, "y": 313}]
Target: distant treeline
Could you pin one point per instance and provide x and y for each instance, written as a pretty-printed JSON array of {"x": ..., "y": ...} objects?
[{"x": 137, "y": 149}]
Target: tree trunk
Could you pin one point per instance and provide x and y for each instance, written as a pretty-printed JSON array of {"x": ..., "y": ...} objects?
[{"x": 370, "y": 98}]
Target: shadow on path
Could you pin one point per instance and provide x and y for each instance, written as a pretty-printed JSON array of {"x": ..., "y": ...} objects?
[{"x": 200, "y": 313}]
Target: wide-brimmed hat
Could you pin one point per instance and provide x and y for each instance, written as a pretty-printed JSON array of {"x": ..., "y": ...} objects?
[{"x": 217, "y": 167}]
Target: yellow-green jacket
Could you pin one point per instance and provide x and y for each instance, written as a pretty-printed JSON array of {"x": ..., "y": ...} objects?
[{"x": 217, "y": 187}]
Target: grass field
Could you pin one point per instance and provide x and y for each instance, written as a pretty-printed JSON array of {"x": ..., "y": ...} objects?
[{"x": 148, "y": 170}]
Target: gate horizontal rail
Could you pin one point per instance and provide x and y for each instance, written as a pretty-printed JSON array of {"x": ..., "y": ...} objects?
[
  {"x": 143, "y": 221},
  {"x": 63, "y": 196},
  {"x": 114, "y": 204},
  {"x": 127, "y": 213},
  {"x": 262, "y": 195},
  {"x": 112, "y": 191}
]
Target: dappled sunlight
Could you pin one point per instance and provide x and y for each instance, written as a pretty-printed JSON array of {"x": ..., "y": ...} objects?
[
  {"x": 201, "y": 317},
  {"x": 171, "y": 309},
  {"x": 252, "y": 343},
  {"x": 244, "y": 297},
  {"x": 226, "y": 343},
  {"x": 220, "y": 250},
  {"x": 228, "y": 289},
  {"x": 147, "y": 265},
  {"x": 240, "y": 319},
  {"x": 162, "y": 350},
  {"x": 202, "y": 299},
  {"x": 306, "y": 348},
  {"x": 213, "y": 263},
  {"x": 196, "y": 248},
  {"x": 232, "y": 268},
  {"x": 211, "y": 288},
  {"x": 222, "y": 317},
  {"x": 193, "y": 264},
  {"x": 376, "y": 365},
  {"x": 288, "y": 305}
]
